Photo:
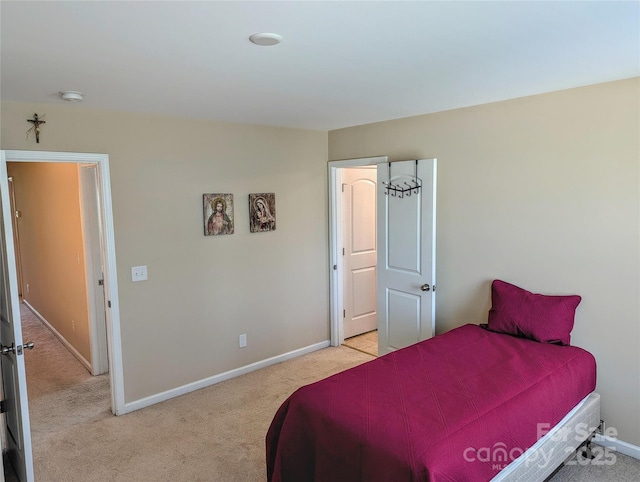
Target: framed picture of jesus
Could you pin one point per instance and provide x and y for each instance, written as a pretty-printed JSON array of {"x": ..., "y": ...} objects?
[{"x": 218, "y": 214}]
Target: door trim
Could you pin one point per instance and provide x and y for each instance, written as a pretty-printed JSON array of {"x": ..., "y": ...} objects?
[
  {"x": 114, "y": 341},
  {"x": 336, "y": 268}
]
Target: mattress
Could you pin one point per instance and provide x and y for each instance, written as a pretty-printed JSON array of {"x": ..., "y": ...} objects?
[{"x": 459, "y": 406}]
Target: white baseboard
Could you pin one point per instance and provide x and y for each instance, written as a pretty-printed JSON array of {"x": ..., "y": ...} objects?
[
  {"x": 190, "y": 387},
  {"x": 618, "y": 445},
  {"x": 59, "y": 336}
]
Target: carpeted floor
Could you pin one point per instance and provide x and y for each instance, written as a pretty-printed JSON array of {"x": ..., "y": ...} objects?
[
  {"x": 213, "y": 434},
  {"x": 60, "y": 389},
  {"x": 608, "y": 468}
]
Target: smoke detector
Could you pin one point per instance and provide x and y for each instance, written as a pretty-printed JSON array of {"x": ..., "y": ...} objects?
[
  {"x": 71, "y": 96},
  {"x": 266, "y": 39}
]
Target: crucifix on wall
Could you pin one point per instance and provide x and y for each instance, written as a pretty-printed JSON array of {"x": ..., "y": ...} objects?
[{"x": 36, "y": 121}]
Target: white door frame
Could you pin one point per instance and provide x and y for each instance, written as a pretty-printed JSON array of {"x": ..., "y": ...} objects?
[
  {"x": 336, "y": 268},
  {"x": 114, "y": 342}
]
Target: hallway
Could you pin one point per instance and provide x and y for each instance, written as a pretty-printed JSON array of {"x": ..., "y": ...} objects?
[{"x": 61, "y": 392}]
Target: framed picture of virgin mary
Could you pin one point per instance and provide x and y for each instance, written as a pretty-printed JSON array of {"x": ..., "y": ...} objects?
[
  {"x": 262, "y": 212},
  {"x": 218, "y": 214}
]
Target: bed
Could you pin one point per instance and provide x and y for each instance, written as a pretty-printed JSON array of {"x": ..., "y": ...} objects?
[{"x": 475, "y": 403}]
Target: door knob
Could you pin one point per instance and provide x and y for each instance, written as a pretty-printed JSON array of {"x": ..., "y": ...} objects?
[
  {"x": 17, "y": 349},
  {"x": 425, "y": 287}
]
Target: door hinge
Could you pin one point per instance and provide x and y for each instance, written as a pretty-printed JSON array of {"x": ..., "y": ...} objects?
[
  {"x": 3, "y": 406},
  {"x": 100, "y": 282},
  {"x": 109, "y": 303},
  {"x": 343, "y": 188},
  {"x": 342, "y": 251},
  {"x": 344, "y": 313}
]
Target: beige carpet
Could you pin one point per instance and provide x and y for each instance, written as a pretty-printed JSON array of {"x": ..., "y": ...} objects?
[
  {"x": 61, "y": 391},
  {"x": 213, "y": 434}
]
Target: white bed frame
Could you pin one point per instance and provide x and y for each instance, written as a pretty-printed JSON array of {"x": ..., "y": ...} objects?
[{"x": 551, "y": 451}]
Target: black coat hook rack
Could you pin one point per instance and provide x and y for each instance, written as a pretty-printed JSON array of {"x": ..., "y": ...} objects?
[{"x": 403, "y": 188}]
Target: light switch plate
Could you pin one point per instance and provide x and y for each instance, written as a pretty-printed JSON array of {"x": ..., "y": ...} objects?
[{"x": 138, "y": 273}]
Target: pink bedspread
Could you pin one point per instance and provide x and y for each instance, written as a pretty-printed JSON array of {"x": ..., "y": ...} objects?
[{"x": 441, "y": 410}]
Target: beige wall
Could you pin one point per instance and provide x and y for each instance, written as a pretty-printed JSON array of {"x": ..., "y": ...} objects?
[
  {"x": 543, "y": 192},
  {"x": 52, "y": 247},
  {"x": 182, "y": 325}
]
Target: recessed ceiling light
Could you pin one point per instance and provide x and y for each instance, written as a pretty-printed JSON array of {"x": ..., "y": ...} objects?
[
  {"x": 266, "y": 39},
  {"x": 71, "y": 96}
]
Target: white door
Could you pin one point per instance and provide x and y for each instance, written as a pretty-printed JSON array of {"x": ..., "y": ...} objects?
[
  {"x": 360, "y": 254},
  {"x": 14, "y": 379},
  {"x": 94, "y": 253},
  {"x": 406, "y": 253}
]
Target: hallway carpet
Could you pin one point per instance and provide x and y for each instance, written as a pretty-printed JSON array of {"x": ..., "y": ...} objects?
[
  {"x": 213, "y": 434},
  {"x": 61, "y": 390}
]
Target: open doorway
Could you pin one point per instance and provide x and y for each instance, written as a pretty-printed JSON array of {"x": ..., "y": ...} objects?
[
  {"x": 59, "y": 259},
  {"x": 59, "y": 256},
  {"x": 405, "y": 270},
  {"x": 94, "y": 221},
  {"x": 94, "y": 194},
  {"x": 97, "y": 165},
  {"x": 353, "y": 251},
  {"x": 359, "y": 258}
]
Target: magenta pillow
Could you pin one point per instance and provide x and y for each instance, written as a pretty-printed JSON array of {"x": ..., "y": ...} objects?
[{"x": 547, "y": 319}]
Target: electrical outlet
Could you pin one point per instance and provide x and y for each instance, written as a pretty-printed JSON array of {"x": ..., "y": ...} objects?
[
  {"x": 138, "y": 273},
  {"x": 242, "y": 340},
  {"x": 27, "y": 287},
  {"x": 73, "y": 325}
]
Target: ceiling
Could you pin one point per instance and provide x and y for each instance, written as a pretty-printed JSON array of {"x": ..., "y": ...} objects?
[{"x": 340, "y": 63}]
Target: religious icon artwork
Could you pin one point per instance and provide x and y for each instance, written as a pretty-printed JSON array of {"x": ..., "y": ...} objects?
[
  {"x": 262, "y": 212},
  {"x": 218, "y": 214}
]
